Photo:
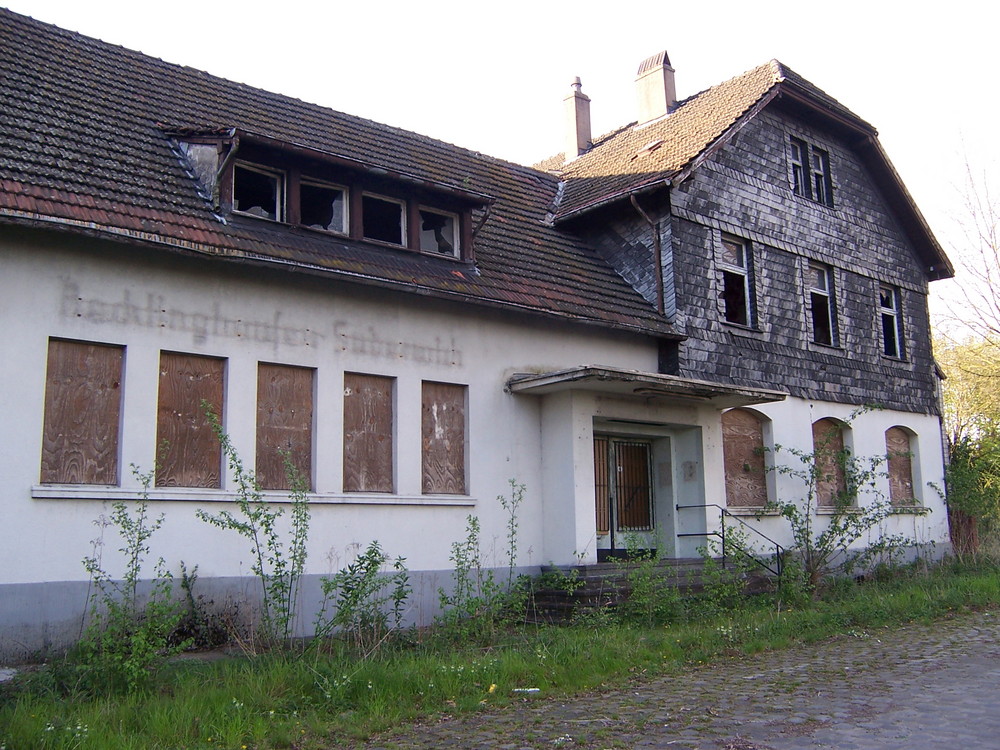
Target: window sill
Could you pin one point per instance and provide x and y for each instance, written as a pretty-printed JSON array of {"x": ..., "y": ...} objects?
[
  {"x": 204, "y": 495},
  {"x": 753, "y": 512},
  {"x": 831, "y": 510},
  {"x": 910, "y": 510}
]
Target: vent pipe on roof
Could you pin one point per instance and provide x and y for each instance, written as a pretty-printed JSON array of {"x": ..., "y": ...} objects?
[
  {"x": 577, "y": 121},
  {"x": 654, "y": 87}
]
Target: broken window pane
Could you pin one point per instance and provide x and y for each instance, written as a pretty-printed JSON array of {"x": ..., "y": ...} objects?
[
  {"x": 736, "y": 294},
  {"x": 382, "y": 219},
  {"x": 821, "y": 305},
  {"x": 800, "y": 185},
  {"x": 258, "y": 192},
  {"x": 889, "y": 314},
  {"x": 438, "y": 232},
  {"x": 323, "y": 207}
]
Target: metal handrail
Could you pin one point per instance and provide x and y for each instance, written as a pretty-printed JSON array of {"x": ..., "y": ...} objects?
[{"x": 779, "y": 551}]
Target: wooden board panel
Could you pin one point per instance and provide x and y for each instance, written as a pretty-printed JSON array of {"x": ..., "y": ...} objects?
[
  {"x": 743, "y": 456},
  {"x": 828, "y": 453},
  {"x": 82, "y": 413},
  {"x": 189, "y": 452},
  {"x": 602, "y": 488},
  {"x": 368, "y": 449},
  {"x": 897, "y": 448},
  {"x": 284, "y": 424},
  {"x": 443, "y": 438}
]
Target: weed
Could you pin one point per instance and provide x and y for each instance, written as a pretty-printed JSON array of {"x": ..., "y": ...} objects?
[
  {"x": 365, "y": 597},
  {"x": 278, "y": 569},
  {"x": 128, "y": 637}
]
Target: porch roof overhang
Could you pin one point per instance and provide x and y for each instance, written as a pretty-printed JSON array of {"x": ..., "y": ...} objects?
[{"x": 638, "y": 384}]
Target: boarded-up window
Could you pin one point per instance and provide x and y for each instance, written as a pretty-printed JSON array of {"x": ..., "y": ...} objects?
[
  {"x": 368, "y": 433},
  {"x": 284, "y": 425},
  {"x": 830, "y": 457},
  {"x": 189, "y": 452},
  {"x": 82, "y": 413},
  {"x": 602, "y": 485},
  {"x": 899, "y": 457},
  {"x": 743, "y": 455},
  {"x": 443, "y": 438}
]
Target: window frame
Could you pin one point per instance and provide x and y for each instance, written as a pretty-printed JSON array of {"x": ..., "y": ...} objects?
[
  {"x": 816, "y": 295},
  {"x": 95, "y": 422},
  {"x": 891, "y": 317},
  {"x": 741, "y": 275},
  {"x": 307, "y": 182},
  {"x": 285, "y": 389},
  {"x": 381, "y": 443},
  {"x": 809, "y": 179},
  {"x": 901, "y": 469},
  {"x": 757, "y": 460},
  {"x": 403, "y": 211},
  {"x": 281, "y": 190},
  {"x": 456, "y": 232},
  {"x": 435, "y": 445}
]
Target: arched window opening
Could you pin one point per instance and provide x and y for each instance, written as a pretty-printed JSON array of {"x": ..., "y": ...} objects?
[
  {"x": 743, "y": 456},
  {"x": 830, "y": 458},
  {"x": 899, "y": 459}
]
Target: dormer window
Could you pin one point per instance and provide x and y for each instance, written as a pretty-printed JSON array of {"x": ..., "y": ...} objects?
[
  {"x": 439, "y": 232},
  {"x": 259, "y": 192},
  {"x": 383, "y": 219},
  {"x": 323, "y": 206}
]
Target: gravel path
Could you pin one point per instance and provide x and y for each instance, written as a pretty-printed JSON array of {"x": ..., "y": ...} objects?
[{"x": 916, "y": 687}]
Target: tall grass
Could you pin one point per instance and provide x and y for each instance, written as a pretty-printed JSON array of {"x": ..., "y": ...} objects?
[{"x": 283, "y": 700}]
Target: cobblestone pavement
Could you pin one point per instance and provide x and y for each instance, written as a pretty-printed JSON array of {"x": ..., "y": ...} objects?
[{"x": 915, "y": 687}]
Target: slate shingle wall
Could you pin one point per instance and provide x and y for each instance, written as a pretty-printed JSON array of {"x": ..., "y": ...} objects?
[{"x": 745, "y": 190}]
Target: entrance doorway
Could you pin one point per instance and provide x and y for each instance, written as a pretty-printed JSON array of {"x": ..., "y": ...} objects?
[{"x": 623, "y": 495}]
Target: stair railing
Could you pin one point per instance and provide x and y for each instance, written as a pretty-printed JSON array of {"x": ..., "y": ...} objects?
[{"x": 779, "y": 551}]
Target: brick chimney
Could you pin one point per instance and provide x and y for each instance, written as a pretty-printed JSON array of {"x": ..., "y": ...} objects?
[
  {"x": 577, "y": 121},
  {"x": 654, "y": 87}
]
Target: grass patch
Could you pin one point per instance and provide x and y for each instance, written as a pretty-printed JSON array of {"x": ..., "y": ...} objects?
[{"x": 285, "y": 700}]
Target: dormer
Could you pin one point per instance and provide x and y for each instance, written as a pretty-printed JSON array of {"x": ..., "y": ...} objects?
[{"x": 249, "y": 177}]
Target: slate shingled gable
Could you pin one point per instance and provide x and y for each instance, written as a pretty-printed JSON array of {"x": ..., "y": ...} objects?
[{"x": 83, "y": 147}]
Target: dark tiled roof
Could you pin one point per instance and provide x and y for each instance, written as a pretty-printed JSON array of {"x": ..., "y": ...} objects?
[
  {"x": 82, "y": 145},
  {"x": 635, "y": 156}
]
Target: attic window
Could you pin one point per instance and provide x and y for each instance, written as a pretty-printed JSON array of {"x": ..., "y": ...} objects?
[
  {"x": 383, "y": 219},
  {"x": 810, "y": 172},
  {"x": 323, "y": 206},
  {"x": 438, "y": 232},
  {"x": 259, "y": 192}
]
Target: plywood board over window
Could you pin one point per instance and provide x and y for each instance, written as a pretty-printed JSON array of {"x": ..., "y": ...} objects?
[
  {"x": 899, "y": 455},
  {"x": 743, "y": 456},
  {"x": 189, "y": 451},
  {"x": 82, "y": 413},
  {"x": 443, "y": 438},
  {"x": 284, "y": 425},
  {"x": 829, "y": 456},
  {"x": 368, "y": 430}
]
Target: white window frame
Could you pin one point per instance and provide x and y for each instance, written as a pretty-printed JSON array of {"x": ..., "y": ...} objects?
[
  {"x": 891, "y": 316},
  {"x": 828, "y": 293},
  {"x": 744, "y": 271},
  {"x": 403, "y": 232},
  {"x": 280, "y": 191},
  {"x": 311, "y": 182},
  {"x": 456, "y": 238}
]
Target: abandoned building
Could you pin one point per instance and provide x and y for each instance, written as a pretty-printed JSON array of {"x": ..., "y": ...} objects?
[{"x": 629, "y": 329}]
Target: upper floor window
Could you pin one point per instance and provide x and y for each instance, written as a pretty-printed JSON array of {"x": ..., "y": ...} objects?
[
  {"x": 323, "y": 206},
  {"x": 810, "y": 172},
  {"x": 258, "y": 192},
  {"x": 383, "y": 219},
  {"x": 822, "y": 306},
  {"x": 891, "y": 322},
  {"x": 737, "y": 296},
  {"x": 438, "y": 232}
]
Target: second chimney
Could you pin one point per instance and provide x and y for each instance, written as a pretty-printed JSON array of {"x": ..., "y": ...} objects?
[
  {"x": 654, "y": 86},
  {"x": 577, "y": 121}
]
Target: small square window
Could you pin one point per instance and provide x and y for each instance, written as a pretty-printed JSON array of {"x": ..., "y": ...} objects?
[
  {"x": 258, "y": 192},
  {"x": 323, "y": 206},
  {"x": 383, "y": 219},
  {"x": 438, "y": 232}
]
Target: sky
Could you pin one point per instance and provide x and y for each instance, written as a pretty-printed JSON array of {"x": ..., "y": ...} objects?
[{"x": 492, "y": 76}]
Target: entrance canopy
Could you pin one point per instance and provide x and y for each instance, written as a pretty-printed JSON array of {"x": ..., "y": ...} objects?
[{"x": 638, "y": 384}]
